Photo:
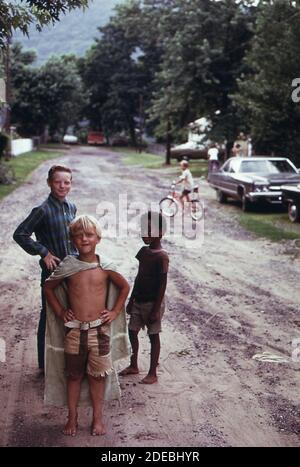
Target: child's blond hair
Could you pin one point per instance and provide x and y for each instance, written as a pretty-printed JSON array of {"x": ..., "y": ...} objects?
[{"x": 84, "y": 222}]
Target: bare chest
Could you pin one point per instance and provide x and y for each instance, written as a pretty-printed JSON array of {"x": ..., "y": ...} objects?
[{"x": 91, "y": 280}]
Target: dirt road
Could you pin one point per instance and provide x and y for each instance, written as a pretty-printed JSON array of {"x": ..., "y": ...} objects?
[{"x": 229, "y": 298}]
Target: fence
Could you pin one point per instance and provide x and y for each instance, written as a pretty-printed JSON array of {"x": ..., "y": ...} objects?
[{"x": 19, "y": 146}]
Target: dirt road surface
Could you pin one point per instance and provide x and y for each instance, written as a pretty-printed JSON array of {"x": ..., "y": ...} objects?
[{"x": 229, "y": 297}]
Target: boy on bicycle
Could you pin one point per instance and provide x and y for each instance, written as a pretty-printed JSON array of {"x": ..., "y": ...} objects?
[{"x": 187, "y": 180}]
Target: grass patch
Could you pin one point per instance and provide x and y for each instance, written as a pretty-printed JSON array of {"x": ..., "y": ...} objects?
[
  {"x": 54, "y": 146},
  {"x": 275, "y": 227},
  {"x": 23, "y": 165},
  {"x": 199, "y": 168},
  {"x": 141, "y": 159},
  {"x": 153, "y": 161}
]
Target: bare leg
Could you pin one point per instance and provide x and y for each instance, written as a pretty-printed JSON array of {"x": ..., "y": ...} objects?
[
  {"x": 73, "y": 391},
  {"x": 132, "y": 369},
  {"x": 97, "y": 395},
  {"x": 155, "y": 351},
  {"x": 184, "y": 200}
]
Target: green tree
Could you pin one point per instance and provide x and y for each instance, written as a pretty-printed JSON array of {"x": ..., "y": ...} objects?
[
  {"x": 49, "y": 96},
  {"x": 64, "y": 98},
  {"x": 117, "y": 74},
  {"x": 181, "y": 59},
  {"x": 264, "y": 94},
  {"x": 26, "y": 110},
  {"x": 205, "y": 43}
]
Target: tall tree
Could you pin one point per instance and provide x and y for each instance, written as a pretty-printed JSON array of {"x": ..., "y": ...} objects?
[
  {"x": 118, "y": 71},
  {"x": 49, "y": 96},
  {"x": 181, "y": 59},
  {"x": 26, "y": 111},
  {"x": 205, "y": 42},
  {"x": 265, "y": 91}
]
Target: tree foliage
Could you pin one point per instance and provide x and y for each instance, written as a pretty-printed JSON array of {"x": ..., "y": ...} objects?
[
  {"x": 118, "y": 71},
  {"x": 50, "y": 96},
  {"x": 181, "y": 58},
  {"x": 20, "y": 15},
  {"x": 264, "y": 93},
  {"x": 205, "y": 46},
  {"x": 172, "y": 62}
]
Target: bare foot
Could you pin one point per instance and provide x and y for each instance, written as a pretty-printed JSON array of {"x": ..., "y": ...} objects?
[
  {"x": 98, "y": 428},
  {"x": 71, "y": 426},
  {"x": 149, "y": 379},
  {"x": 130, "y": 370}
]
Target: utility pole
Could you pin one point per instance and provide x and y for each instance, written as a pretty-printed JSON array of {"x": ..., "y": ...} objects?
[
  {"x": 141, "y": 122},
  {"x": 168, "y": 145},
  {"x": 7, "y": 77},
  {"x": 7, "y": 124}
]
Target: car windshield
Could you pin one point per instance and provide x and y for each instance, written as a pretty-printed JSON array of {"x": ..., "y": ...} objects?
[{"x": 266, "y": 166}]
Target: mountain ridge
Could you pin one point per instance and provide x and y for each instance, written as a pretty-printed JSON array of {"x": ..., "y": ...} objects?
[{"x": 73, "y": 34}]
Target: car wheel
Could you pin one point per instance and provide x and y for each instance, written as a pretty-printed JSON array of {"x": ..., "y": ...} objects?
[
  {"x": 221, "y": 197},
  {"x": 245, "y": 203},
  {"x": 293, "y": 212}
]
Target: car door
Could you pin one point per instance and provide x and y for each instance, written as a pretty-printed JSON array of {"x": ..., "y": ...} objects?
[
  {"x": 226, "y": 183},
  {"x": 232, "y": 180},
  {"x": 218, "y": 179}
]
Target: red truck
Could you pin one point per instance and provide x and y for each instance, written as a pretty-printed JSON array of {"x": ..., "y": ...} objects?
[{"x": 95, "y": 137}]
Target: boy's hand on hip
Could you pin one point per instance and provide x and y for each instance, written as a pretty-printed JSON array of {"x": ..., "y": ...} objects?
[
  {"x": 51, "y": 261},
  {"x": 68, "y": 315},
  {"x": 108, "y": 316}
]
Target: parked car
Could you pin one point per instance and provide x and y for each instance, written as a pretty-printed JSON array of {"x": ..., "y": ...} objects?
[
  {"x": 253, "y": 179},
  {"x": 95, "y": 137},
  {"x": 190, "y": 150},
  {"x": 70, "y": 139},
  {"x": 291, "y": 198},
  {"x": 193, "y": 150},
  {"x": 119, "y": 140}
]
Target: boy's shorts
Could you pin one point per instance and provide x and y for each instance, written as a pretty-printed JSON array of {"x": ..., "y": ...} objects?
[
  {"x": 88, "y": 352},
  {"x": 185, "y": 192},
  {"x": 139, "y": 317}
]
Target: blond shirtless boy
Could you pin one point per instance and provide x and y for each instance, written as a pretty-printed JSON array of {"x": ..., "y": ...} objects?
[{"x": 87, "y": 323}]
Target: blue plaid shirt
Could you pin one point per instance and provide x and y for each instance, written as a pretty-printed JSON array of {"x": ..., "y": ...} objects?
[{"x": 49, "y": 222}]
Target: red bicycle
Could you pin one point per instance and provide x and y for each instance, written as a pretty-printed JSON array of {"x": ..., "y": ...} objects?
[{"x": 169, "y": 205}]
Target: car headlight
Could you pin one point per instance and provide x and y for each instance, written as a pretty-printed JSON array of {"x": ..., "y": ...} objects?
[{"x": 260, "y": 188}]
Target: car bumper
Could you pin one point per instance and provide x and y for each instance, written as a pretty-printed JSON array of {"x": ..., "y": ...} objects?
[{"x": 274, "y": 197}]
